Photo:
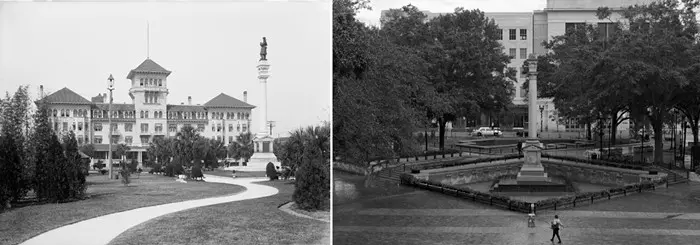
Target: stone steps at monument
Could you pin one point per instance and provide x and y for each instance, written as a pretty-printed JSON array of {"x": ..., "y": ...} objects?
[{"x": 391, "y": 174}]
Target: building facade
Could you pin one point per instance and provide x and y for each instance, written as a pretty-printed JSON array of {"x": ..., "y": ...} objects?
[
  {"x": 147, "y": 117},
  {"x": 523, "y": 33}
]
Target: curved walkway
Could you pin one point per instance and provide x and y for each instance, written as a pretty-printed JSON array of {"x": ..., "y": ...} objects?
[{"x": 101, "y": 230}]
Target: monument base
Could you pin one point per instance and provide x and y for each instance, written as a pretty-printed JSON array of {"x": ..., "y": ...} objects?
[
  {"x": 258, "y": 162},
  {"x": 532, "y": 177}
]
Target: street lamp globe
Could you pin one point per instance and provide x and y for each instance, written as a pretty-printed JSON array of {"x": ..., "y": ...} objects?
[{"x": 110, "y": 85}]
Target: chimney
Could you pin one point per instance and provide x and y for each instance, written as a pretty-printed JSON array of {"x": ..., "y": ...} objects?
[
  {"x": 189, "y": 100},
  {"x": 245, "y": 96},
  {"x": 41, "y": 91}
]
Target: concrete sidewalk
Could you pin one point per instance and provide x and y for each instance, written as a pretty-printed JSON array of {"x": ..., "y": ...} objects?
[{"x": 101, "y": 230}]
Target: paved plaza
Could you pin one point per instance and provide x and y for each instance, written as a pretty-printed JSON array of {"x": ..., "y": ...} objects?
[{"x": 407, "y": 216}]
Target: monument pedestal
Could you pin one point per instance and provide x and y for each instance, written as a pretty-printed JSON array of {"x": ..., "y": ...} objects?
[
  {"x": 262, "y": 155},
  {"x": 532, "y": 170}
]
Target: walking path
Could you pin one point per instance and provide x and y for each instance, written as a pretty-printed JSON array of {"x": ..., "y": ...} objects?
[{"x": 101, "y": 230}]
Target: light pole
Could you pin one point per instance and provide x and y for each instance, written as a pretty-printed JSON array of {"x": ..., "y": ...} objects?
[
  {"x": 600, "y": 134},
  {"x": 110, "y": 87}
]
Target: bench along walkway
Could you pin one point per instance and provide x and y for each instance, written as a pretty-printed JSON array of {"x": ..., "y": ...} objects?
[{"x": 101, "y": 230}]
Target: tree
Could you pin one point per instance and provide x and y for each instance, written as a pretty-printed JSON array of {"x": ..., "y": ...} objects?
[
  {"x": 467, "y": 68},
  {"x": 649, "y": 58},
  {"x": 74, "y": 168},
  {"x": 88, "y": 149},
  {"x": 187, "y": 146},
  {"x": 15, "y": 124},
  {"x": 312, "y": 186},
  {"x": 376, "y": 90},
  {"x": 50, "y": 181},
  {"x": 214, "y": 150},
  {"x": 10, "y": 175},
  {"x": 242, "y": 148},
  {"x": 270, "y": 171},
  {"x": 160, "y": 150},
  {"x": 121, "y": 150}
]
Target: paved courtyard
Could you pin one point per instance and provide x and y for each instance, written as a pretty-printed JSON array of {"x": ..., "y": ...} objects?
[{"x": 407, "y": 216}]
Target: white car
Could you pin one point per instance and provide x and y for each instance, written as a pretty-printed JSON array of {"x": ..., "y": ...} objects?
[{"x": 485, "y": 131}]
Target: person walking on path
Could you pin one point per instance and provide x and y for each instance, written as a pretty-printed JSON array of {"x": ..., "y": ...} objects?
[{"x": 556, "y": 225}]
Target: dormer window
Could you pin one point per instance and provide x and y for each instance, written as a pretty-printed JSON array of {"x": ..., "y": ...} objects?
[{"x": 141, "y": 82}]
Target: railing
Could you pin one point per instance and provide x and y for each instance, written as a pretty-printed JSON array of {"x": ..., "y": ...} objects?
[{"x": 526, "y": 207}]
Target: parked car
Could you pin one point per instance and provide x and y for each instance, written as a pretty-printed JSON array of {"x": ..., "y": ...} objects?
[{"x": 486, "y": 131}]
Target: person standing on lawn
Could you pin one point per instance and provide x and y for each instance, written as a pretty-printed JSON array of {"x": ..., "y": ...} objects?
[{"x": 556, "y": 225}]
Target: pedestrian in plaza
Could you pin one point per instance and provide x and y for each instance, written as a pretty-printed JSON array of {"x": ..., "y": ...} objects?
[{"x": 556, "y": 225}]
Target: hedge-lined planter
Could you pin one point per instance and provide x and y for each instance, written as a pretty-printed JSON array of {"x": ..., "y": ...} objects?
[
  {"x": 524, "y": 207},
  {"x": 474, "y": 161},
  {"x": 599, "y": 162}
]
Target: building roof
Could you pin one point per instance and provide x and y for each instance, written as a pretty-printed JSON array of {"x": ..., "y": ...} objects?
[
  {"x": 148, "y": 66},
  {"x": 115, "y": 106},
  {"x": 65, "y": 96},
  {"x": 186, "y": 108},
  {"x": 225, "y": 101}
]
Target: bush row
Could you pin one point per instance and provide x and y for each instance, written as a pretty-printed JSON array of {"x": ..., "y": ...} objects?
[
  {"x": 419, "y": 155},
  {"x": 474, "y": 161},
  {"x": 567, "y": 200},
  {"x": 638, "y": 166}
]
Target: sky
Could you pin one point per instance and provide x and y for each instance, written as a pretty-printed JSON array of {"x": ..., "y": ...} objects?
[
  {"x": 209, "y": 47},
  {"x": 371, "y": 17}
]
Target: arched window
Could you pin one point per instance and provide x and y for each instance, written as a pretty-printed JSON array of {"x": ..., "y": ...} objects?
[
  {"x": 141, "y": 114},
  {"x": 55, "y": 112}
]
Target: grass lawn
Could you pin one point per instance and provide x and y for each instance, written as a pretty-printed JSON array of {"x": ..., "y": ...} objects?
[
  {"x": 239, "y": 174},
  {"x": 256, "y": 221},
  {"x": 105, "y": 197}
]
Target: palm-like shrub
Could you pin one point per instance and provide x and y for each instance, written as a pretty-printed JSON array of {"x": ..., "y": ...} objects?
[{"x": 270, "y": 171}]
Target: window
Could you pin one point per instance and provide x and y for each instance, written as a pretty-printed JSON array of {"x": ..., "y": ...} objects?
[
  {"x": 200, "y": 127},
  {"x": 114, "y": 139},
  {"x": 522, "y": 74},
  {"x": 114, "y": 127},
  {"x": 141, "y": 114},
  {"x": 55, "y": 126},
  {"x": 230, "y": 139},
  {"x": 65, "y": 126},
  {"x": 512, "y": 53},
  {"x": 98, "y": 139},
  {"x": 238, "y": 128},
  {"x": 128, "y": 127},
  {"x": 213, "y": 127},
  {"x": 570, "y": 27},
  {"x": 511, "y": 34},
  {"x": 187, "y": 125},
  {"x": 86, "y": 127},
  {"x": 128, "y": 140},
  {"x": 499, "y": 34},
  {"x": 218, "y": 127},
  {"x": 75, "y": 113},
  {"x": 73, "y": 128},
  {"x": 159, "y": 127},
  {"x": 523, "y": 53},
  {"x": 55, "y": 112},
  {"x": 141, "y": 82},
  {"x": 87, "y": 139},
  {"x": 523, "y": 34},
  {"x": 160, "y": 82},
  {"x": 80, "y": 140},
  {"x": 144, "y": 127},
  {"x": 523, "y": 92},
  {"x": 145, "y": 139},
  {"x": 80, "y": 126},
  {"x": 146, "y": 114},
  {"x": 172, "y": 127},
  {"x": 244, "y": 127},
  {"x": 230, "y": 127},
  {"x": 218, "y": 137}
]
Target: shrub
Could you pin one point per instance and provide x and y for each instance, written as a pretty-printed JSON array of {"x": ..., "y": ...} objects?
[
  {"x": 270, "y": 171},
  {"x": 99, "y": 165},
  {"x": 126, "y": 174},
  {"x": 312, "y": 186},
  {"x": 133, "y": 165},
  {"x": 103, "y": 171},
  {"x": 197, "y": 172}
]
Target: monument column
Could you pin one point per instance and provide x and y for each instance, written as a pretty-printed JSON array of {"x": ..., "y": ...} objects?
[{"x": 532, "y": 169}]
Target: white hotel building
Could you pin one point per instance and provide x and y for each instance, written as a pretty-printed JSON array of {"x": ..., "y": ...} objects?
[
  {"x": 147, "y": 117},
  {"x": 524, "y": 33}
]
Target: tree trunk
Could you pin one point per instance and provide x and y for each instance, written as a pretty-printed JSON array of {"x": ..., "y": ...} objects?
[
  {"x": 589, "y": 134},
  {"x": 441, "y": 125},
  {"x": 613, "y": 128},
  {"x": 657, "y": 125}
]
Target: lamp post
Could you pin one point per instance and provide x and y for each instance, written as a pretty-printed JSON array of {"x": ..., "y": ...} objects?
[
  {"x": 110, "y": 87},
  {"x": 541, "y": 121},
  {"x": 600, "y": 134}
]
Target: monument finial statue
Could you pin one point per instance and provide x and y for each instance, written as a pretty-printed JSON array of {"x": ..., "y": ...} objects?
[{"x": 263, "y": 49}]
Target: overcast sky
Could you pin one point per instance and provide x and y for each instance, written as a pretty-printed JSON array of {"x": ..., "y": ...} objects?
[
  {"x": 441, "y": 6},
  {"x": 209, "y": 47}
]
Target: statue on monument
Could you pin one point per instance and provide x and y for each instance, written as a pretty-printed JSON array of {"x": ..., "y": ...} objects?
[{"x": 263, "y": 49}]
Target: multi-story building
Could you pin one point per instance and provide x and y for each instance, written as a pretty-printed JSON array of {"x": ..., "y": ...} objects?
[
  {"x": 147, "y": 117},
  {"x": 523, "y": 33}
]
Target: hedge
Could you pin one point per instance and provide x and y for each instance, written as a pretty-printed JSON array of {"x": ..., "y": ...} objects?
[
  {"x": 598, "y": 162},
  {"x": 521, "y": 206}
]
